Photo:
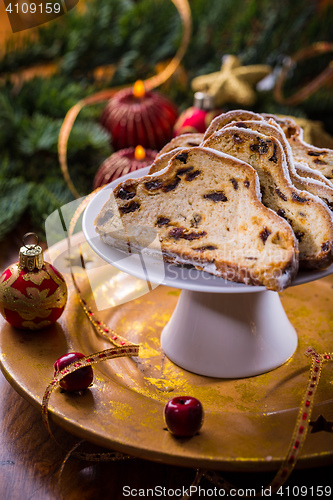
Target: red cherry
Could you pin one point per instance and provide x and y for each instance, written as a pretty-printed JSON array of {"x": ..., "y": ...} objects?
[
  {"x": 78, "y": 380},
  {"x": 183, "y": 416}
]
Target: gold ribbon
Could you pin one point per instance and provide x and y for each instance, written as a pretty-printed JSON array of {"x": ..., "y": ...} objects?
[
  {"x": 185, "y": 14},
  {"x": 311, "y": 87},
  {"x": 299, "y": 434},
  {"x": 112, "y": 353}
]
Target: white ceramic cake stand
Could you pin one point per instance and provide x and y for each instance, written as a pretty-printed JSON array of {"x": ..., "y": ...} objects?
[{"x": 219, "y": 328}]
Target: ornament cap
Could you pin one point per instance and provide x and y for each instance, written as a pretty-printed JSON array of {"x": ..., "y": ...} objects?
[
  {"x": 31, "y": 255},
  {"x": 203, "y": 101}
]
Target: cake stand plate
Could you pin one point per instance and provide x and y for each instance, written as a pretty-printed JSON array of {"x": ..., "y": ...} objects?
[
  {"x": 248, "y": 422},
  {"x": 219, "y": 328}
]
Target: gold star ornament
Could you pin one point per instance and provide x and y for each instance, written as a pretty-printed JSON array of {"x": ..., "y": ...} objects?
[{"x": 233, "y": 83}]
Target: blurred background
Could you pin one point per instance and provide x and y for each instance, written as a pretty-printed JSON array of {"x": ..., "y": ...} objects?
[{"x": 101, "y": 44}]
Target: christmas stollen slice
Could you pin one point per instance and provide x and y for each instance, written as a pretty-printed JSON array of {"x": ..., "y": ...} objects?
[
  {"x": 192, "y": 140},
  {"x": 272, "y": 128},
  {"x": 316, "y": 158},
  {"x": 205, "y": 210},
  {"x": 309, "y": 217},
  {"x": 184, "y": 140},
  {"x": 307, "y": 172},
  {"x": 173, "y": 147},
  {"x": 162, "y": 161},
  {"x": 230, "y": 116},
  {"x": 288, "y": 126}
]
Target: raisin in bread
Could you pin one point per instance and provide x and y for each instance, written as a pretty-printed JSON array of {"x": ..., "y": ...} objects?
[
  {"x": 316, "y": 158},
  {"x": 162, "y": 161},
  {"x": 206, "y": 211},
  {"x": 231, "y": 116},
  {"x": 272, "y": 128},
  {"x": 309, "y": 217},
  {"x": 184, "y": 141}
]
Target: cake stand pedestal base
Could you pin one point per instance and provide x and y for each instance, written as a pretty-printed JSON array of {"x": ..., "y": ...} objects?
[{"x": 233, "y": 335}]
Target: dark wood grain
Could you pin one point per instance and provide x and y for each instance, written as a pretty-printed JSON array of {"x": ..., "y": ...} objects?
[{"x": 30, "y": 461}]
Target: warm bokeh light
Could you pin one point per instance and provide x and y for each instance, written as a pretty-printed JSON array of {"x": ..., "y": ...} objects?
[
  {"x": 139, "y": 89},
  {"x": 139, "y": 153}
]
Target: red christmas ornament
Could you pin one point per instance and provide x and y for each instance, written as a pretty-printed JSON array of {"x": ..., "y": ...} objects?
[
  {"x": 123, "y": 162},
  {"x": 136, "y": 117},
  {"x": 33, "y": 294},
  {"x": 197, "y": 118}
]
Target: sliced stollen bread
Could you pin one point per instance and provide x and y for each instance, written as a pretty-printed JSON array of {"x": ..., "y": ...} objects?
[
  {"x": 307, "y": 172},
  {"x": 230, "y": 116},
  {"x": 316, "y": 158},
  {"x": 309, "y": 217},
  {"x": 288, "y": 125},
  {"x": 184, "y": 141},
  {"x": 161, "y": 161},
  {"x": 290, "y": 129},
  {"x": 206, "y": 211},
  {"x": 173, "y": 147},
  {"x": 272, "y": 128}
]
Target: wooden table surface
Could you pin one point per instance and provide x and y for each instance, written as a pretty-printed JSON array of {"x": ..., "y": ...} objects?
[{"x": 30, "y": 460}]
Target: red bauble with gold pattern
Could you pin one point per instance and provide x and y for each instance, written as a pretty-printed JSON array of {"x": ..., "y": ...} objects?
[
  {"x": 136, "y": 117},
  {"x": 33, "y": 294}
]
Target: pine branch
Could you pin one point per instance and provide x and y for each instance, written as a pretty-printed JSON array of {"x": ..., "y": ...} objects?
[{"x": 14, "y": 201}]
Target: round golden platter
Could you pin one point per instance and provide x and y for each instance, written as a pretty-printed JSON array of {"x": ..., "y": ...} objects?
[{"x": 248, "y": 422}]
